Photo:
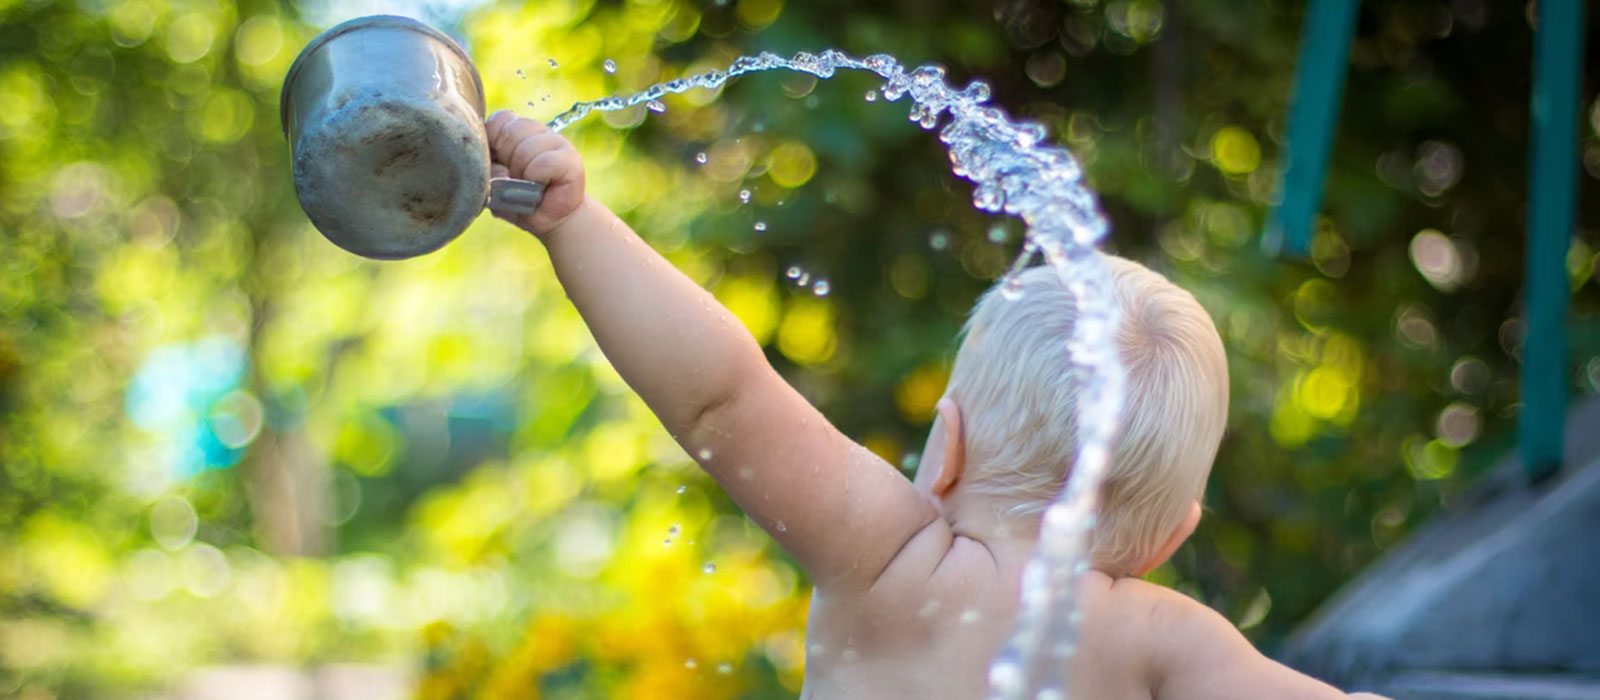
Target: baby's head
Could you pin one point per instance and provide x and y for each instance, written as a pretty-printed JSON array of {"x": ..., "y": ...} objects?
[{"x": 1017, "y": 397}]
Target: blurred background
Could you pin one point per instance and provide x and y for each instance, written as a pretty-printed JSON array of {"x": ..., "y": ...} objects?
[{"x": 234, "y": 456}]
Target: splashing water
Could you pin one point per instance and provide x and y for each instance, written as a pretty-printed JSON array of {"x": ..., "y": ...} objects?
[{"x": 1015, "y": 172}]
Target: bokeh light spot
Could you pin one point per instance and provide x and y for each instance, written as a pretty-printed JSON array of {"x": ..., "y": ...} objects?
[
  {"x": 791, "y": 164},
  {"x": 173, "y": 523},
  {"x": 1457, "y": 425},
  {"x": 190, "y": 37},
  {"x": 806, "y": 334},
  {"x": 754, "y": 301},
  {"x": 1436, "y": 257},
  {"x": 259, "y": 40},
  {"x": 1234, "y": 151},
  {"x": 1428, "y": 460},
  {"x": 756, "y": 14},
  {"x": 918, "y": 394}
]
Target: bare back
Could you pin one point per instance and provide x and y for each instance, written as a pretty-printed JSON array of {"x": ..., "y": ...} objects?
[{"x": 931, "y": 625}]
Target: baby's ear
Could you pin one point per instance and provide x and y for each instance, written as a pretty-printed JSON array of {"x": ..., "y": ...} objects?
[
  {"x": 1185, "y": 528},
  {"x": 954, "y": 457}
]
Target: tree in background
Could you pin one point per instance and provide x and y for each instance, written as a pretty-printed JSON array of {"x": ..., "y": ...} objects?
[{"x": 225, "y": 440}]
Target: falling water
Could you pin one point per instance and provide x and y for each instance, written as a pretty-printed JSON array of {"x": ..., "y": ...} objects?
[{"x": 1016, "y": 172}]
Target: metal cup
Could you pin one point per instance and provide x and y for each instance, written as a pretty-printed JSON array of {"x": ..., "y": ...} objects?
[{"x": 384, "y": 117}]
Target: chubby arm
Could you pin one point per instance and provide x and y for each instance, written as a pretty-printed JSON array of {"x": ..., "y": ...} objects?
[
  {"x": 841, "y": 511},
  {"x": 1202, "y": 656}
]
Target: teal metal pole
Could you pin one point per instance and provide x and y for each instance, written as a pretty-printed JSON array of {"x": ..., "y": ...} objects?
[
  {"x": 1313, "y": 114},
  {"x": 1552, "y": 200}
]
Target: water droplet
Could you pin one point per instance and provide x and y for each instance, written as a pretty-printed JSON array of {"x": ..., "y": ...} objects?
[
  {"x": 674, "y": 530},
  {"x": 872, "y": 95},
  {"x": 667, "y": 542},
  {"x": 792, "y": 273},
  {"x": 1011, "y": 288},
  {"x": 939, "y": 240},
  {"x": 821, "y": 288},
  {"x": 656, "y": 106},
  {"x": 689, "y": 663},
  {"x": 805, "y": 279},
  {"x": 782, "y": 527},
  {"x": 997, "y": 233},
  {"x": 553, "y": 64},
  {"x": 704, "y": 453},
  {"x": 610, "y": 66},
  {"x": 724, "y": 668},
  {"x": 761, "y": 226},
  {"x": 709, "y": 568},
  {"x": 700, "y": 158},
  {"x": 744, "y": 196},
  {"x": 521, "y": 74},
  {"x": 682, "y": 490}
]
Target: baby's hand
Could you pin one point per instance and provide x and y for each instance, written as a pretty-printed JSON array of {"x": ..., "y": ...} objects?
[{"x": 528, "y": 150}]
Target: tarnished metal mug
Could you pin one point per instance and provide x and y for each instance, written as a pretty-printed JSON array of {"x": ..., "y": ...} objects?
[{"x": 384, "y": 117}]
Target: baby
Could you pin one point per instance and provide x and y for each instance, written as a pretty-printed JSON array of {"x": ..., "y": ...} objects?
[{"x": 916, "y": 583}]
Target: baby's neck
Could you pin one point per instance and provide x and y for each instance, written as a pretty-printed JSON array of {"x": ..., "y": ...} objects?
[{"x": 988, "y": 518}]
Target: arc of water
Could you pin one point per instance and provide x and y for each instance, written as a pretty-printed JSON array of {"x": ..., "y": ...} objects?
[{"x": 1016, "y": 172}]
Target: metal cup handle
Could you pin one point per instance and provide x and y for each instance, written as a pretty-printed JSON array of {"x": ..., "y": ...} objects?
[{"x": 515, "y": 196}]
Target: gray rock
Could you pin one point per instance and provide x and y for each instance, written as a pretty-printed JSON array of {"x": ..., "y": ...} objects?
[{"x": 1501, "y": 595}]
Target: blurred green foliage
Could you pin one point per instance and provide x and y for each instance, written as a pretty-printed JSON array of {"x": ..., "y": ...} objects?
[{"x": 226, "y": 441}]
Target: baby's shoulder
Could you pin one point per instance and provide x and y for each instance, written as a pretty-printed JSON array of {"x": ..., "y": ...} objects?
[
  {"x": 1136, "y": 601},
  {"x": 1138, "y": 618},
  {"x": 1161, "y": 627}
]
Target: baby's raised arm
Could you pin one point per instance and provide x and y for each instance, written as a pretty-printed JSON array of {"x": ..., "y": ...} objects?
[{"x": 842, "y": 512}]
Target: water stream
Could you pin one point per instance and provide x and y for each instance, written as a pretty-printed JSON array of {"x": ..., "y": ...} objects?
[{"x": 1015, "y": 171}]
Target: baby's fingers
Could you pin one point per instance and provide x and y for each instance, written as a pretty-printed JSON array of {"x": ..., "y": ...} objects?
[
  {"x": 528, "y": 150},
  {"x": 555, "y": 167},
  {"x": 506, "y": 131}
]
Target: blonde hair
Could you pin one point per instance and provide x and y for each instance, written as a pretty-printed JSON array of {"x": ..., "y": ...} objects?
[{"x": 1017, "y": 391}]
